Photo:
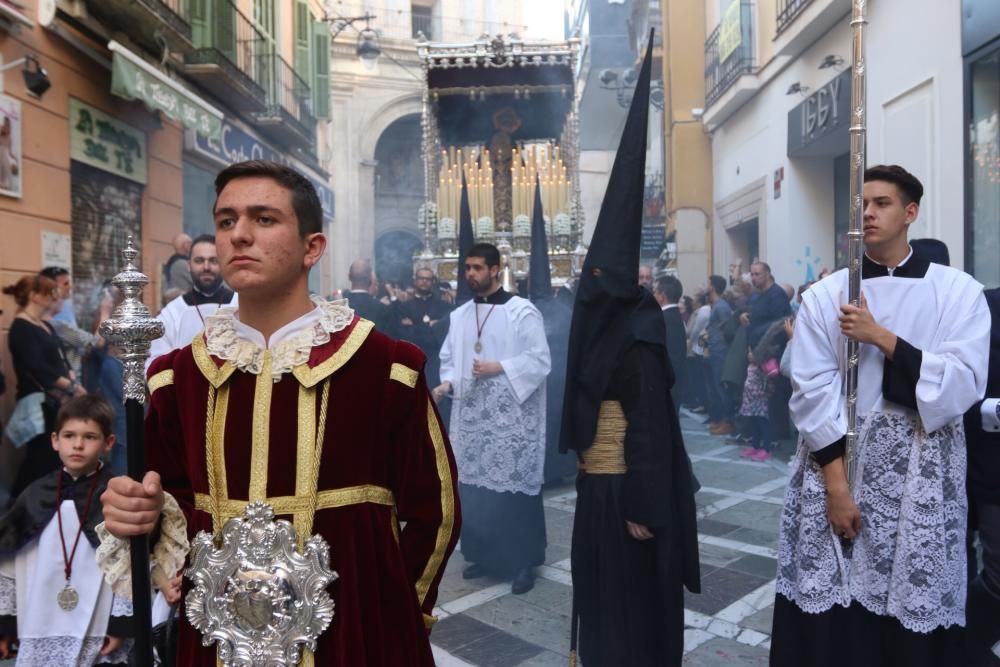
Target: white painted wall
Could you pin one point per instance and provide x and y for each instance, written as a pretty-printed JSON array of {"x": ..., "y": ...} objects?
[{"x": 915, "y": 120}]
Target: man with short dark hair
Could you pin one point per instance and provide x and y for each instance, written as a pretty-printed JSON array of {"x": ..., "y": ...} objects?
[
  {"x": 494, "y": 362},
  {"x": 295, "y": 401},
  {"x": 720, "y": 404},
  {"x": 184, "y": 317},
  {"x": 667, "y": 291},
  {"x": 64, "y": 284},
  {"x": 422, "y": 320},
  {"x": 876, "y": 574},
  {"x": 361, "y": 297}
]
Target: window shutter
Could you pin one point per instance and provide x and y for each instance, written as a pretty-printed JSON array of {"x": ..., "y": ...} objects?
[
  {"x": 321, "y": 70},
  {"x": 303, "y": 28}
]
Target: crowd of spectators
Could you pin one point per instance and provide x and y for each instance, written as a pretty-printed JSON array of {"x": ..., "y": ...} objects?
[{"x": 734, "y": 371}]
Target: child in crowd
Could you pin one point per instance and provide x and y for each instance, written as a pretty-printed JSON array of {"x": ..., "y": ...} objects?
[{"x": 54, "y": 602}]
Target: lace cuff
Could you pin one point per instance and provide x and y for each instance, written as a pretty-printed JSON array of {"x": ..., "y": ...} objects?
[{"x": 114, "y": 560}]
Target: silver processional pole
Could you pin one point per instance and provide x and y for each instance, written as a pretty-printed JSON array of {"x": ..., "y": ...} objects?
[
  {"x": 855, "y": 232},
  {"x": 132, "y": 329}
]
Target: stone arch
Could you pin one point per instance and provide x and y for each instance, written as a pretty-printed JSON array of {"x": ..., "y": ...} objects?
[{"x": 385, "y": 116}]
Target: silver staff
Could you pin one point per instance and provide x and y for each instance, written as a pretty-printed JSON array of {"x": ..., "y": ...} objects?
[
  {"x": 855, "y": 231},
  {"x": 132, "y": 329}
]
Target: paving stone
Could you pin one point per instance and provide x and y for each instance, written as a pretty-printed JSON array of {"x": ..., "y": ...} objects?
[
  {"x": 715, "y": 556},
  {"x": 759, "y": 566},
  {"x": 720, "y": 589},
  {"x": 706, "y": 498},
  {"x": 533, "y": 617},
  {"x": 761, "y": 621},
  {"x": 712, "y": 526},
  {"x": 547, "y": 659},
  {"x": 725, "y": 475},
  {"x": 758, "y": 537},
  {"x": 726, "y": 653},
  {"x": 753, "y": 514},
  {"x": 456, "y": 631}
]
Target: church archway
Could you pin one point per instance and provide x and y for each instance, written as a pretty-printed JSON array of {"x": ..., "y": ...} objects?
[{"x": 399, "y": 193}]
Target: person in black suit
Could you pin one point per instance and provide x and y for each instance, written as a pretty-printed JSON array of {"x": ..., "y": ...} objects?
[
  {"x": 982, "y": 433},
  {"x": 667, "y": 290},
  {"x": 360, "y": 297},
  {"x": 416, "y": 320}
]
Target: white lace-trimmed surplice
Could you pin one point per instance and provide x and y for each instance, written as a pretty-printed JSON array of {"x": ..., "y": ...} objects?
[
  {"x": 29, "y": 585},
  {"x": 909, "y": 559},
  {"x": 498, "y": 424}
]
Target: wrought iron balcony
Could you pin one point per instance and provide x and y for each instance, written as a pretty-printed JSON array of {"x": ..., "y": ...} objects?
[
  {"x": 227, "y": 53},
  {"x": 142, "y": 20},
  {"x": 288, "y": 116},
  {"x": 723, "y": 70},
  {"x": 788, "y": 11}
]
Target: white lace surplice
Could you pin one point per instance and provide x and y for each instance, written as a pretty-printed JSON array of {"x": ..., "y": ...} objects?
[
  {"x": 29, "y": 584},
  {"x": 498, "y": 424},
  {"x": 909, "y": 560}
]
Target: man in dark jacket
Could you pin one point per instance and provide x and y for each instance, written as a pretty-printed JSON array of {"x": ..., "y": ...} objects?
[
  {"x": 982, "y": 433},
  {"x": 416, "y": 320},
  {"x": 668, "y": 291},
  {"x": 768, "y": 303},
  {"x": 360, "y": 298}
]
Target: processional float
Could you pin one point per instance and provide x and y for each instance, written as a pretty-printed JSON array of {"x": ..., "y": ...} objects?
[{"x": 502, "y": 112}]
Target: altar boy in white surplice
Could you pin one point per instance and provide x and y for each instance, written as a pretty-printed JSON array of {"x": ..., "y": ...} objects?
[
  {"x": 54, "y": 602},
  {"x": 494, "y": 362},
  {"x": 877, "y": 576}
]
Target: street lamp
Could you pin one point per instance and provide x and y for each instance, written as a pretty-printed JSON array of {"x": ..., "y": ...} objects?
[{"x": 368, "y": 49}]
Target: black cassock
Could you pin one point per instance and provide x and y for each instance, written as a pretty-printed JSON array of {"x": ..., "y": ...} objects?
[
  {"x": 628, "y": 592},
  {"x": 421, "y": 332}
]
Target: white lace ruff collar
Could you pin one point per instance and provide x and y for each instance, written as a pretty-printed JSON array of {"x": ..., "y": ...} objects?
[{"x": 231, "y": 340}]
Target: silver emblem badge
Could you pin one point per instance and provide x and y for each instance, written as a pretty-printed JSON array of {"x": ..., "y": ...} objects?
[{"x": 257, "y": 597}]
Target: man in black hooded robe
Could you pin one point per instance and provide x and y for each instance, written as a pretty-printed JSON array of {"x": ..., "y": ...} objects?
[{"x": 634, "y": 535}]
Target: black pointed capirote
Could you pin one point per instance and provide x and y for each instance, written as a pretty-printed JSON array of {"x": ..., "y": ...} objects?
[
  {"x": 608, "y": 295},
  {"x": 466, "y": 239},
  {"x": 539, "y": 272}
]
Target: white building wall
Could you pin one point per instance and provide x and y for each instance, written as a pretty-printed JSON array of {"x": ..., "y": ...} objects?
[{"x": 915, "y": 120}]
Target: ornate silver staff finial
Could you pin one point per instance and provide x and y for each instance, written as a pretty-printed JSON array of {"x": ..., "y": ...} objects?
[{"x": 131, "y": 327}]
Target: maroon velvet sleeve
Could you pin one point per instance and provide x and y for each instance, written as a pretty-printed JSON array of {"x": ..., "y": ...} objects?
[
  {"x": 165, "y": 451},
  {"x": 425, "y": 481}
]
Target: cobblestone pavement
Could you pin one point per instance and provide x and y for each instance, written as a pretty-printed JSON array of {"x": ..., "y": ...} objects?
[{"x": 729, "y": 624}]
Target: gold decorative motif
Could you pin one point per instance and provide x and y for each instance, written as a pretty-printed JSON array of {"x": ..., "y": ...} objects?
[
  {"x": 429, "y": 621},
  {"x": 447, "y": 506},
  {"x": 607, "y": 455},
  {"x": 310, "y": 377},
  {"x": 404, "y": 374},
  {"x": 291, "y": 505},
  {"x": 215, "y": 375},
  {"x": 160, "y": 380},
  {"x": 261, "y": 430},
  {"x": 304, "y": 459},
  {"x": 317, "y": 458}
]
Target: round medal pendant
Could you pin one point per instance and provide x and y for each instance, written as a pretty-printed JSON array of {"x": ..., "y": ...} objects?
[
  {"x": 478, "y": 347},
  {"x": 68, "y": 598}
]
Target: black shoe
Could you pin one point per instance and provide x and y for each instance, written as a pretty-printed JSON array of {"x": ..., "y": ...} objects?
[
  {"x": 474, "y": 571},
  {"x": 523, "y": 582}
]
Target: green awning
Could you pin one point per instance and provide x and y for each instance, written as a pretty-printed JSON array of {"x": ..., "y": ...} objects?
[{"x": 133, "y": 78}]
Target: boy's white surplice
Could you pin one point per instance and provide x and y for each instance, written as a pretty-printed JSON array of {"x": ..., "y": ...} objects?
[
  {"x": 909, "y": 559},
  {"x": 29, "y": 585}
]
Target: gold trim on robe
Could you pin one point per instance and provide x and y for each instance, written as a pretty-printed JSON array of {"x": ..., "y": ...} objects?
[
  {"x": 160, "y": 380},
  {"x": 447, "y": 506},
  {"x": 404, "y": 374}
]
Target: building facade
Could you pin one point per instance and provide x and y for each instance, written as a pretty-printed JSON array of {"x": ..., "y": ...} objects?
[
  {"x": 777, "y": 95},
  {"x": 118, "y": 113},
  {"x": 376, "y": 153}
]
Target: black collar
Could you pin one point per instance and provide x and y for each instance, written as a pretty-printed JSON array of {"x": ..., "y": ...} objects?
[
  {"x": 915, "y": 267},
  {"x": 195, "y": 297},
  {"x": 498, "y": 298}
]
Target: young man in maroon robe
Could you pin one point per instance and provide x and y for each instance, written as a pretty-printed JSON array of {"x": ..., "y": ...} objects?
[{"x": 297, "y": 402}]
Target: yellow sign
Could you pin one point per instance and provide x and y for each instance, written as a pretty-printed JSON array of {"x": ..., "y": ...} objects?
[{"x": 730, "y": 31}]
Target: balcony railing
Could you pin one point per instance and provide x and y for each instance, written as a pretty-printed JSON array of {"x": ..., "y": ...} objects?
[
  {"x": 721, "y": 73},
  {"x": 788, "y": 10},
  {"x": 289, "y": 97},
  {"x": 227, "y": 40},
  {"x": 145, "y": 20}
]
